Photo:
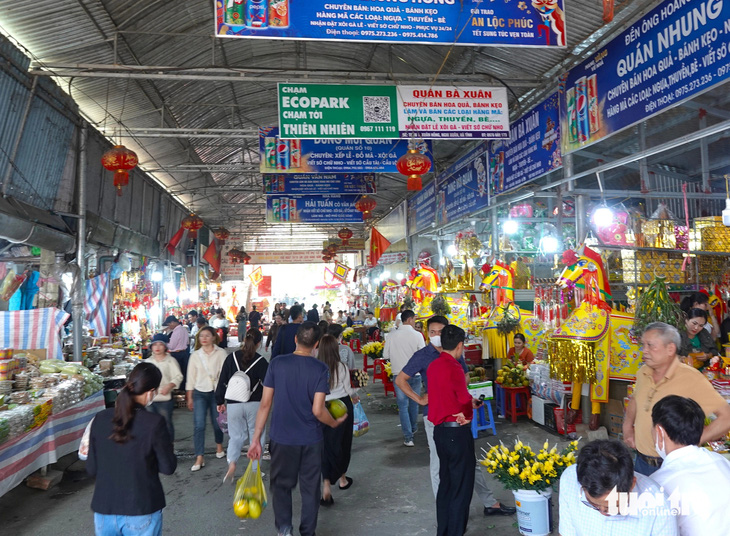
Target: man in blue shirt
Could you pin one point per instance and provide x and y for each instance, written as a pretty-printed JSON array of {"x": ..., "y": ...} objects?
[
  {"x": 419, "y": 364},
  {"x": 296, "y": 384},
  {"x": 284, "y": 342}
]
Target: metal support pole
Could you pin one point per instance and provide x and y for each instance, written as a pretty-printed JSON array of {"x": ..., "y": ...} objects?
[
  {"x": 579, "y": 200},
  {"x": 196, "y": 263},
  {"x": 705, "y": 155},
  {"x": 643, "y": 165},
  {"x": 79, "y": 292}
]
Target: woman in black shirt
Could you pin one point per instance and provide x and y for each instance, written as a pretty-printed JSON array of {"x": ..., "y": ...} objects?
[
  {"x": 242, "y": 415},
  {"x": 128, "y": 448}
]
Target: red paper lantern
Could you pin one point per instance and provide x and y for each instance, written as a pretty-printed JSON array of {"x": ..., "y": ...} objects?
[
  {"x": 221, "y": 234},
  {"x": 193, "y": 224},
  {"x": 366, "y": 205},
  {"x": 413, "y": 164},
  {"x": 326, "y": 251},
  {"x": 246, "y": 258},
  {"x": 236, "y": 255},
  {"x": 345, "y": 234},
  {"x": 119, "y": 159}
]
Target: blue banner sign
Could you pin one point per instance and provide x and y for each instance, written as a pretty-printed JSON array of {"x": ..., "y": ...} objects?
[
  {"x": 312, "y": 209},
  {"x": 539, "y": 23},
  {"x": 331, "y": 156},
  {"x": 422, "y": 209},
  {"x": 675, "y": 51},
  {"x": 533, "y": 150},
  {"x": 462, "y": 188},
  {"x": 319, "y": 183}
]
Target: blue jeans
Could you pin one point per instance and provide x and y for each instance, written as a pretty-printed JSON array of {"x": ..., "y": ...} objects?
[
  {"x": 165, "y": 409},
  {"x": 113, "y": 525},
  {"x": 408, "y": 409},
  {"x": 204, "y": 403},
  {"x": 640, "y": 466}
]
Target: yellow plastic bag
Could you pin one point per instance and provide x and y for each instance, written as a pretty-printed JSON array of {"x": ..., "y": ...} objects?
[{"x": 249, "y": 499}]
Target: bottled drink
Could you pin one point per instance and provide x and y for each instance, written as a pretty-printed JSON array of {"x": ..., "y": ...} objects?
[{"x": 257, "y": 14}]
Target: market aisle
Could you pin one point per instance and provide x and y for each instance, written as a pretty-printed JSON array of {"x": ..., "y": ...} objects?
[{"x": 391, "y": 494}]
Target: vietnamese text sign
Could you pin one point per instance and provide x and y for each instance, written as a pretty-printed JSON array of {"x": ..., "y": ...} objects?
[
  {"x": 393, "y": 258},
  {"x": 367, "y": 111},
  {"x": 533, "y": 150},
  {"x": 422, "y": 209},
  {"x": 312, "y": 209},
  {"x": 235, "y": 272},
  {"x": 675, "y": 51},
  {"x": 319, "y": 183},
  {"x": 462, "y": 188},
  {"x": 453, "y": 112},
  {"x": 331, "y": 156},
  {"x": 354, "y": 244},
  {"x": 463, "y": 22}
]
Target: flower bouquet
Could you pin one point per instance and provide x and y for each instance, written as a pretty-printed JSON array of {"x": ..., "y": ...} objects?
[
  {"x": 373, "y": 350},
  {"x": 347, "y": 334},
  {"x": 522, "y": 469}
]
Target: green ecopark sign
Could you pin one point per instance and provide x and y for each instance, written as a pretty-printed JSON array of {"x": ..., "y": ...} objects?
[
  {"x": 332, "y": 111},
  {"x": 327, "y": 111}
]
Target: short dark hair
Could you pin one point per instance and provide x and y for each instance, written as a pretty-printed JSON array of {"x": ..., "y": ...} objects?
[
  {"x": 406, "y": 315},
  {"x": 603, "y": 465},
  {"x": 519, "y": 336},
  {"x": 308, "y": 334},
  {"x": 437, "y": 319},
  {"x": 201, "y": 321},
  {"x": 451, "y": 336},
  {"x": 335, "y": 330},
  {"x": 193, "y": 312},
  {"x": 682, "y": 418},
  {"x": 295, "y": 311}
]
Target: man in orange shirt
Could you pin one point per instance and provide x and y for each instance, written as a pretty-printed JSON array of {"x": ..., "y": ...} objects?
[{"x": 449, "y": 405}]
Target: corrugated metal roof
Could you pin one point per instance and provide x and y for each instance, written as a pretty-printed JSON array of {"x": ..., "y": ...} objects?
[{"x": 179, "y": 35}]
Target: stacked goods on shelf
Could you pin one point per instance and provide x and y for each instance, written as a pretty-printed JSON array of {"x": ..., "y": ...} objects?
[
  {"x": 643, "y": 266},
  {"x": 711, "y": 234}
]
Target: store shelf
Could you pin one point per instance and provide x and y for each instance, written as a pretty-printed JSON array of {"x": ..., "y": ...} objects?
[{"x": 663, "y": 250}]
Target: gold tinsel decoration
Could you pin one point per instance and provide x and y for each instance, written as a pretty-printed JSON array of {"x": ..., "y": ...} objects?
[{"x": 572, "y": 361}]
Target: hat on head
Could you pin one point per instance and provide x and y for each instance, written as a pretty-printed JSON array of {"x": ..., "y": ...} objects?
[
  {"x": 160, "y": 337},
  {"x": 170, "y": 319}
]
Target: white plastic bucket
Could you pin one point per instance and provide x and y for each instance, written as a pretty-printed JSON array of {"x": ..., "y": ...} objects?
[{"x": 534, "y": 514}]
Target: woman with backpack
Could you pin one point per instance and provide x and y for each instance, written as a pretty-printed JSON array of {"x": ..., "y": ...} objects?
[{"x": 239, "y": 391}]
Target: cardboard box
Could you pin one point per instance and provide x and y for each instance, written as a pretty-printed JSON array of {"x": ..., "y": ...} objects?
[
  {"x": 615, "y": 411},
  {"x": 481, "y": 388},
  {"x": 538, "y": 409}
]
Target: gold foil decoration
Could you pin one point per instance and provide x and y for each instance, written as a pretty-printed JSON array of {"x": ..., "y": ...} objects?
[{"x": 572, "y": 361}]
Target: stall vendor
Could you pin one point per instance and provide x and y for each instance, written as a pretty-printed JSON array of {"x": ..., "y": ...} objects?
[
  {"x": 697, "y": 341},
  {"x": 520, "y": 352}
]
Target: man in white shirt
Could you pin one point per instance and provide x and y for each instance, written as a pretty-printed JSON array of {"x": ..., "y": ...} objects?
[
  {"x": 693, "y": 477},
  {"x": 400, "y": 345},
  {"x": 597, "y": 496}
]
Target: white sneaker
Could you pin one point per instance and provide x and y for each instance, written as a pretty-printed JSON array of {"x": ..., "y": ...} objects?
[
  {"x": 220, "y": 455},
  {"x": 409, "y": 444}
]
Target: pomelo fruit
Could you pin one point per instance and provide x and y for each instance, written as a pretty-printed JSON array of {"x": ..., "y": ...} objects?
[{"x": 336, "y": 408}]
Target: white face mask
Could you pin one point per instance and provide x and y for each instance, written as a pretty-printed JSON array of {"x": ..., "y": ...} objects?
[
  {"x": 436, "y": 340},
  {"x": 660, "y": 450}
]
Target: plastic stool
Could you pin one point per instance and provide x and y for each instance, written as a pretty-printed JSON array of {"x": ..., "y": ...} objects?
[
  {"x": 379, "y": 371},
  {"x": 514, "y": 405},
  {"x": 479, "y": 419},
  {"x": 388, "y": 386},
  {"x": 499, "y": 398}
]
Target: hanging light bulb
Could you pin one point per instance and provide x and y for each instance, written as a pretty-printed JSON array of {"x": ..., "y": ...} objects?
[
  {"x": 452, "y": 251},
  {"x": 603, "y": 216},
  {"x": 549, "y": 244},
  {"x": 510, "y": 227}
]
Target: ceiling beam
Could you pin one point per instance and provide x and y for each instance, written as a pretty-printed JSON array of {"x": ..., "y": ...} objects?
[{"x": 258, "y": 75}]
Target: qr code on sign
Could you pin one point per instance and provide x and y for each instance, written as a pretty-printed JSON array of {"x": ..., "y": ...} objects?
[{"x": 376, "y": 109}]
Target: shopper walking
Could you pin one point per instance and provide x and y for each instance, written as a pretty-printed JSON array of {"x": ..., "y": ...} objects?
[
  {"x": 274, "y": 330},
  {"x": 221, "y": 324},
  {"x": 337, "y": 441},
  {"x": 128, "y": 447},
  {"x": 400, "y": 346},
  {"x": 254, "y": 318},
  {"x": 450, "y": 410},
  {"x": 347, "y": 356},
  {"x": 285, "y": 342},
  {"x": 241, "y": 413},
  {"x": 179, "y": 345},
  {"x": 313, "y": 314},
  {"x": 242, "y": 321},
  {"x": 163, "y": 404},
  {"x": 205, "y": 367},
  {"x": 296, "y": 384}
]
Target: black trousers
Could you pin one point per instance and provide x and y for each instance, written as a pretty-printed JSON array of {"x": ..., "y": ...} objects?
[
  {"x": 455, "y": 449},
  {"x": 182, "y": 358},
  {"x": 290, "y": 463},
  {"x": 338, "y": 446}
]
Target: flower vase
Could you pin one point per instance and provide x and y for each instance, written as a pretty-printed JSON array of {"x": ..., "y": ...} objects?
[{"x": 534, "y": 511}]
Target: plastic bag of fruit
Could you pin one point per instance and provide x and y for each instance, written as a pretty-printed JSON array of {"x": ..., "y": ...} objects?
[{"x": 249, "y": 499}]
